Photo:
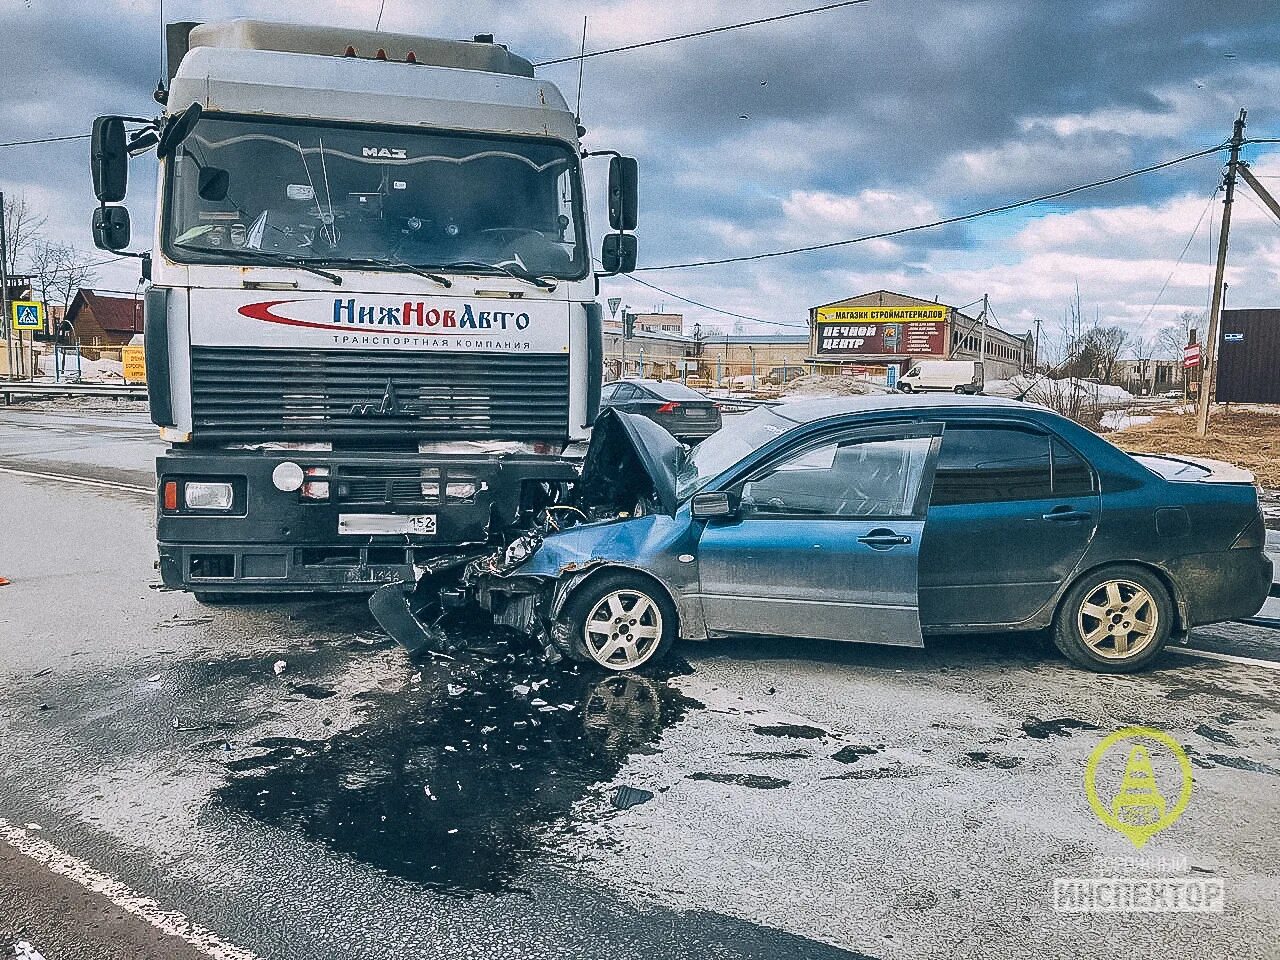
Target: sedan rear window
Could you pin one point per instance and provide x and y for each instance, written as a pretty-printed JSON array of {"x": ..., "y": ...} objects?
[
  {"x": 992, "y": 464},
  {"x": 673, "y": 390}
]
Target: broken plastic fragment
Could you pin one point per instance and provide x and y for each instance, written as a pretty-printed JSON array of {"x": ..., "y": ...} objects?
[
  {"x": 154, "y": 678},
  {"x": 625, "y": 797},
  {"x": 456, "y": 689},
  {"x": 279, "y": 667},
  {"x": 23, "y": 950},
  {"x": 521, "y": 689}
]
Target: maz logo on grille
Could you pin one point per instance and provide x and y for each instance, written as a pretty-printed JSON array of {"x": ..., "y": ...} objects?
[{"x": 390, "y": 406}]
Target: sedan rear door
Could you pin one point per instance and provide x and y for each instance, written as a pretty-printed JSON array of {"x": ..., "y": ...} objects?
[{"x": 825, "y": 541}]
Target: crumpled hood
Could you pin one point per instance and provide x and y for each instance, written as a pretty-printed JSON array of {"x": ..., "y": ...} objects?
[{"x": 630, "y": 457}]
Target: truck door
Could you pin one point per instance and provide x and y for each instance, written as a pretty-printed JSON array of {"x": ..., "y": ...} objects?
[{"x": 826, "y": 540}]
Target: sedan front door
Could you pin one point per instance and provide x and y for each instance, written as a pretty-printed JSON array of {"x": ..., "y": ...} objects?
[{"x": 825, "y": 541}]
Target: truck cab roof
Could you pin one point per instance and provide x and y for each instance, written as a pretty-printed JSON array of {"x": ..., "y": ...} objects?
[{"x": 234, "y": 68}]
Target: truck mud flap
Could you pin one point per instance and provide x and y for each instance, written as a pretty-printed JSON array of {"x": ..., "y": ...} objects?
[{"x": 390, "y": 607}]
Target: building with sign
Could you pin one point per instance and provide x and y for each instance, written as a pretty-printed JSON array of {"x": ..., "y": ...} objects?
[
  {"x": 882, "y": 333},
  {"x": 1249, "y": 356}
]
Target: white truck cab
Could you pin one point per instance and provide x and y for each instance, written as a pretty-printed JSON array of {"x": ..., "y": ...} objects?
[{"x": 372, "y": 335}]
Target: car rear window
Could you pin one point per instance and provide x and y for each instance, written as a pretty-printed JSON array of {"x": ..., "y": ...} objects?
[
  {"x": 673, "y": 390},
  {"x": 992, "y": 464}
]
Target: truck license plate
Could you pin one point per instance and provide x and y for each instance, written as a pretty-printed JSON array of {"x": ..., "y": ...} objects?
[{"x": 366, "y": 524}]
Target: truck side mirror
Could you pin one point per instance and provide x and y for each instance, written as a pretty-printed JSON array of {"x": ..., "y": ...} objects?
[
  {"x": 111, "y": 228},
  {"x": 618, "y": 255},
  {"x": 213, "y": 183},
  {"x": 178, "y": 129},
  {"x": 109, "y": 159},
  {"x": 712, "y": 504},
  {"x": 623, "y": 193}
]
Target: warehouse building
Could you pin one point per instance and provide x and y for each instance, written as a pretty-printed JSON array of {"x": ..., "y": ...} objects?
[{"x": 880, "y": 334}]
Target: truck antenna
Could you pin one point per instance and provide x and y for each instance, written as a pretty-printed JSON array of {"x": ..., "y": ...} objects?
[
  {"x": 382, "y": 6},
  {"x": 582, "y": 56}
]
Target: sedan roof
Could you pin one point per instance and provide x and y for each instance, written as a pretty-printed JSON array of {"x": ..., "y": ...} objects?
[
  {"x": 667, "y": 389},
  {"x": 816, "y": 408}
]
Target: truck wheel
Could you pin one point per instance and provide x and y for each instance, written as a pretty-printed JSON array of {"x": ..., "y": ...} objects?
[
  {"x": 621, "y": 621},
  {"x": 1114, "y": 620},
  {"x": 961, "y": 390},
  {"x": 904, "y": 387}
]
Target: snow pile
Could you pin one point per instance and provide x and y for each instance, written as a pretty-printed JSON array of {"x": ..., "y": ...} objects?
[
  {"x": 101, "y": 370},
  {"x": 822, "y": 385},
  {"x": 1052, "y": 393}
]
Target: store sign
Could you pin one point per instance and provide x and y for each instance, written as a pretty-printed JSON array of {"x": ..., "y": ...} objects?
[{"x": 913, "y": 330}]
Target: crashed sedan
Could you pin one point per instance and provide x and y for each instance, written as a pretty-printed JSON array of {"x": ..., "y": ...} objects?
[{"x": 882, "y": 520}]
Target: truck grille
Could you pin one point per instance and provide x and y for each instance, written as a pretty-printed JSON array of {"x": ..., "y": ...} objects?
[
  {"x": 249, "y": 393},
  {"x": 399, "y": 483}
]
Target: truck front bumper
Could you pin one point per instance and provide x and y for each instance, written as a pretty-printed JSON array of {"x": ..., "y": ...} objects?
[{"x": 274, "y": 541}]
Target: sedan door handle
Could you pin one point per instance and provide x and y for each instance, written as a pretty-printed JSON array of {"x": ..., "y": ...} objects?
[
  {"x": 883, "y": 539},
  {"x": 1066, "y": 516}
]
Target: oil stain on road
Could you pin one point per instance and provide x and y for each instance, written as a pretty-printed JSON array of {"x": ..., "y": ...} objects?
[{"x": 448, "y": 782}]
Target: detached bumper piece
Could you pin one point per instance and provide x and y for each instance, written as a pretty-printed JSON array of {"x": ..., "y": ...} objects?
[{"x": 390, "y": 606}]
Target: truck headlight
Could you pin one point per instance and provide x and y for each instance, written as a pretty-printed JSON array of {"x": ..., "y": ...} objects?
[{"x": 207, "y": 495}]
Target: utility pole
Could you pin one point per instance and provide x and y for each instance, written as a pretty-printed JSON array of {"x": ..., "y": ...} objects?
[
  {"x": 1210, "y": 347},
  {"x": 4, "y": 291},
  {"x": 982, "y": 337},
  {"x": 1035, "y": 348}
]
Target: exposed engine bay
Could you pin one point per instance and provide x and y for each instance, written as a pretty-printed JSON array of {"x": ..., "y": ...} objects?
[{"x": 628, "y": 472}]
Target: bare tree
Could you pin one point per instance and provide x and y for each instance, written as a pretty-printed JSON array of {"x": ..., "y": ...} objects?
[
  {"x": 22, "y": 229},
  {"x": 58, "y": 271},
  {"x": 1171, "y": 340}
]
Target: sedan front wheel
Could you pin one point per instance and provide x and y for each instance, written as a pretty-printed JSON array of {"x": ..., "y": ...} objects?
[
  {"x": 1114, "y": 620},
  {"x": 621, "y": 621}
]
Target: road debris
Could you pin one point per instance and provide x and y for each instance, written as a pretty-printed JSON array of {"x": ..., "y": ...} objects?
[
  {"x": 4, "y": 582},
  {"x": 279, "y": 667},
  {"x": 625, "y": 797},
  {"x": 25, "y": 951}
]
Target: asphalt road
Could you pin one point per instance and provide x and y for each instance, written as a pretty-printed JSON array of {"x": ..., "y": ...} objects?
[{"x": 169, "y": 793}]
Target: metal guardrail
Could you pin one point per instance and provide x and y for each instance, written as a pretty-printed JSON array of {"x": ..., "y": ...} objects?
[{"x": 26, "y": 388}]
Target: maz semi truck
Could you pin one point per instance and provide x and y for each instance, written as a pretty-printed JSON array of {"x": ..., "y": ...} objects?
[{"x": 372, "y": 337}]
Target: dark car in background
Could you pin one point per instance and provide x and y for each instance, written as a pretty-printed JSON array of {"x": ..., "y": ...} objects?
[
  {"x": 686, "y": 414},
  {"x": 885, "y": 519}
]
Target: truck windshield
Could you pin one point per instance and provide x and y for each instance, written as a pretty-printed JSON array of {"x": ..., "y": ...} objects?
[{"x": 330, "y": 194}]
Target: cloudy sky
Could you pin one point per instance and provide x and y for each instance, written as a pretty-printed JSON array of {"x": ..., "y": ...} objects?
[{"x": 818, "y": 128}]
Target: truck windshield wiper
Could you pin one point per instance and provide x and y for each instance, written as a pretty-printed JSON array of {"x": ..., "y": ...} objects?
[
  {"x": 394, "y": 265},
  {"x": 265, "y": 256},
  {"x": 515, "y": 274}
]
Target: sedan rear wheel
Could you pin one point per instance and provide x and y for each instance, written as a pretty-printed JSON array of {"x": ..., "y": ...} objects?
[
  {"x": 1115, "y": 620},
  {"x": 621, "y": 621}
]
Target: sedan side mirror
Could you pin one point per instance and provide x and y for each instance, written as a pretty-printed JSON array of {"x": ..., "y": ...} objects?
[
  {"x": 618, "y": 255},
  {"x": 111, "y": 228},
  {"x": 706, "y": 506}
]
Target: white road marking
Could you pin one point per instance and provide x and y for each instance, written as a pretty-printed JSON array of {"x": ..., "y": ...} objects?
[
  {"x": 1226, "y": 657},
  {"x": 170, "y": 922},
  {"x": 82, "y": 481}
]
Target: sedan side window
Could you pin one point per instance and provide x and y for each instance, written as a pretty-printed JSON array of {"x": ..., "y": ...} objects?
[
  {"x": 624, "y": 393},
  {"x": 1072, "y": 476},
  {"x": 841, "y": 478},
  {"x": 991, "y": 465}
]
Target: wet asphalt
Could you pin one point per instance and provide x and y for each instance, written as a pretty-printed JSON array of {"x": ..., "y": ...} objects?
[{"x": 807, "y": 799}]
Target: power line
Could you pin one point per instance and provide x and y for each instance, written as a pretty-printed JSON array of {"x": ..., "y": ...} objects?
[
  {"x": 1187, "y": 246},
  {"x": 946, "y": 221},
  {"x": 701, "y": 33},
  {"x": 23, "y": 143},
  {"x": 707, "y": 306}
]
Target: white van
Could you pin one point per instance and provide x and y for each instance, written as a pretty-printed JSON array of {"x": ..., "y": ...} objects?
[{"x": 958, "y": 376}]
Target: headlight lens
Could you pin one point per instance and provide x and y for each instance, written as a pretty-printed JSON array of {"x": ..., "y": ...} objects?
[{"x": 204, "y": 495}]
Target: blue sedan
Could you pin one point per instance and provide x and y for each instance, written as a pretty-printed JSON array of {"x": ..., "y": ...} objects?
[{"x": 883, "y": 520}]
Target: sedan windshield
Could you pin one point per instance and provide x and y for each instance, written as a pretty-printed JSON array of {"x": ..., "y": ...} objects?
[
  {"x": 716, "y": 454},
  {"x": 366, "y": 196}
]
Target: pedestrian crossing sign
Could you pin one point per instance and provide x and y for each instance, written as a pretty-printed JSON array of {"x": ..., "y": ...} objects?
[{"x": 27, "y": 315}]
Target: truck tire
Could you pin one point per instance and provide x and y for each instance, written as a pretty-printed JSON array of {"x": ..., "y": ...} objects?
[
  {"x": 904, "y": 387},
  {"x": 1115, "y": 619},
  {"x": 621, "y": 620}
]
